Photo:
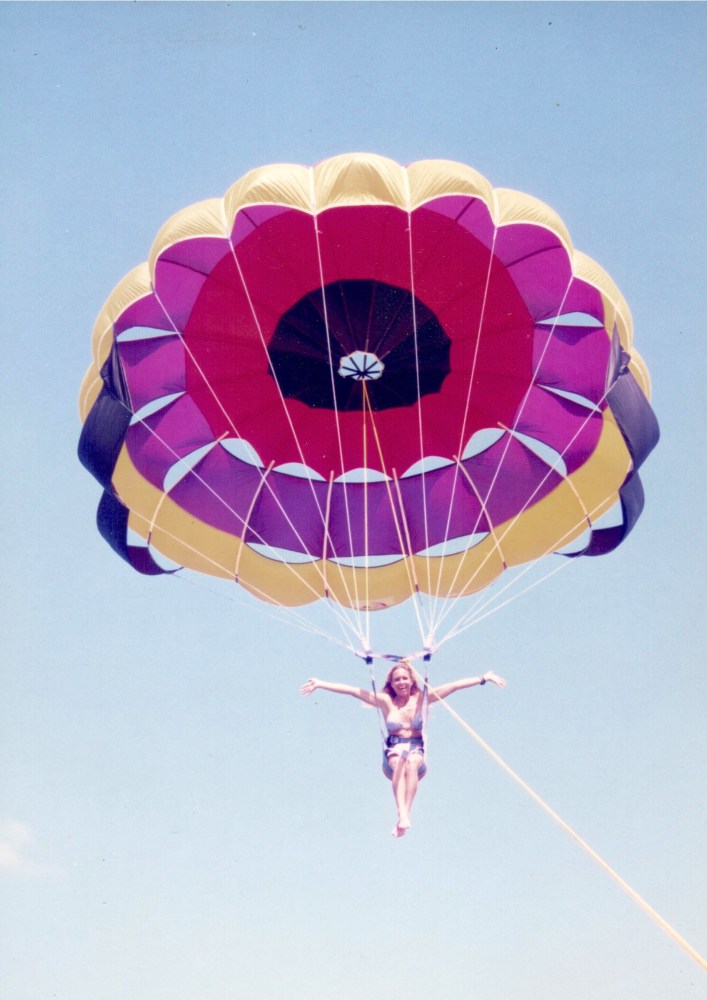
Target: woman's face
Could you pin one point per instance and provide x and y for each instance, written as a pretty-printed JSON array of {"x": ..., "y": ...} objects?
[{"x": 401, "y": 682}]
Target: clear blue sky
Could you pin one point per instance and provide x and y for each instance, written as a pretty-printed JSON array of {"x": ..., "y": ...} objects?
[{"x": 176, "y": 822}]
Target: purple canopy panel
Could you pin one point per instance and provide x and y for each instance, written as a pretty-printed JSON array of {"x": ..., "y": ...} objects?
[
  {"x": 509, "y": 477},
  {"x": 450, "y": 508},
  {"x": 160, "y": 440},
  {"x": 570, "y": 429},
  {"x": 153, "y": 368},
  {"x": 572, "y": 358},
  {"x": 540, "y": 268},
  {"x": 181, "y": 272},
  {"x": 289, "y": 514},
  {"x": 351, "y": 534},
  {"x": 219, "y": 491},
  {"x": 145, "y": 312}
]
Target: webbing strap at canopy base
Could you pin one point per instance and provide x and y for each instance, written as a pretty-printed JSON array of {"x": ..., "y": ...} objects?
[{"x": 369, "y": 656}]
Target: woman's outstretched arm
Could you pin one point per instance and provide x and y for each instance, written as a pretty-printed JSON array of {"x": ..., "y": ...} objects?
[
  {"x": 444, "y": 690},
  {"x": 363, "y": 694}
]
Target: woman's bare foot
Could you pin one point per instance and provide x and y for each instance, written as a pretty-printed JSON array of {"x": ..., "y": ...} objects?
[{"x": 401, "y": 827}]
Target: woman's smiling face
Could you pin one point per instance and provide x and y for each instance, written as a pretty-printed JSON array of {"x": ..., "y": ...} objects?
[{"x": 401, "y": 682}]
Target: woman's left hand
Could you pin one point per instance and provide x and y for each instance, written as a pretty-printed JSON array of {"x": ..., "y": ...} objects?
[{"x": 493, "y": 678}]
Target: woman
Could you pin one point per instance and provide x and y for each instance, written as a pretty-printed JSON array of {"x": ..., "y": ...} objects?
[{"x": 401, "y": 704}]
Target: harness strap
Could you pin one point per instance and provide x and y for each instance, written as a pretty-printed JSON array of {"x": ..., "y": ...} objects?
[
  {"x": 381, "y": 720},
  {"x": 426, "y": 698}
]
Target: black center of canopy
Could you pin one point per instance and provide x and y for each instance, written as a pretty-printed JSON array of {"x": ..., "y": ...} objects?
[{"x": 389, "y": 324}]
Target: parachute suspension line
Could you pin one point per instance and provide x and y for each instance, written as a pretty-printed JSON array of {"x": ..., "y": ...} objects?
[
  {"x": 236, "y": 433},
  {"x": 478, "y": 613},
  {"x": 492, "y": 530},
  {"x": 469, "y": 614},
  {"x": 512, "y": 433},
  {"x": 405, "y": 549},
  {"x": 335, "y": 610},
  {"x": 167, "y": 490},
  {"x": 325, "y": 314},
  {"x": 264, "y": 597},
  {"x": 366, "y": 551},
  {"x": 249, "y": 513},
  {"x": 229, "y": 573},
  {"x": 202, "y": 374},
  {"x": 524, "y": 400},
  {"x": 158, "y": 507},
  {"x": 274, "y": 496},
  {"x": 653, "y": 914},
  {"x": 334, "y": 605},
  {"x": 568, "y": 534},
  {"x": 423, "y": 471},
  {"x": 381, "y": 720},
  {"x": 473, "y": 616},
  {"x": 224, "y": 570},
  {"x": 467, "y": 405},
  {"x": 288, "y": 417},
  {"x": 325, "y": 541},
  {"x": 360, "y": 638},
  {"x": 147, "y": 520},
  {"x": 426, "y": 629},
  {"x": 289, "y": 617}
]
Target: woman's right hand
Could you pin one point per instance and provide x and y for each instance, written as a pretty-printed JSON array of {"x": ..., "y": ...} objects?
[{"x": 309, "y": 686}]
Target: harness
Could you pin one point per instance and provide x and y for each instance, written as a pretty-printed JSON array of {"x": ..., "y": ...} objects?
[
  {"x": 414, "y": 741},
  {"x": 390, "y": 740}
]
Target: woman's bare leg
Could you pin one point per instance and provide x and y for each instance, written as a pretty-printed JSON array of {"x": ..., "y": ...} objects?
[
  {"x": 412, "y": 780},
  {"x": 399, "y": 791},
  {"x": 405, "y": 782}
]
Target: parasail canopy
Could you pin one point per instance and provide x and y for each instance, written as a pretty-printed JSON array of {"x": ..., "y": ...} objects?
[{"x": 364, "y": 381}]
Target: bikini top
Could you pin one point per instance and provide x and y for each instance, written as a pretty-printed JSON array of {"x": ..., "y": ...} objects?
[{"x": 395, "y": 725}]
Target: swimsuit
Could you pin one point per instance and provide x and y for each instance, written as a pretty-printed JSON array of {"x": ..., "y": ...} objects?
[
  {"x": 395, "y": 725},
  {"x": 403, "y": 746}
]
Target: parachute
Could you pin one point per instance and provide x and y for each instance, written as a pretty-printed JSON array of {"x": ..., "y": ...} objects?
[{"x": 364, "y": 382}]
